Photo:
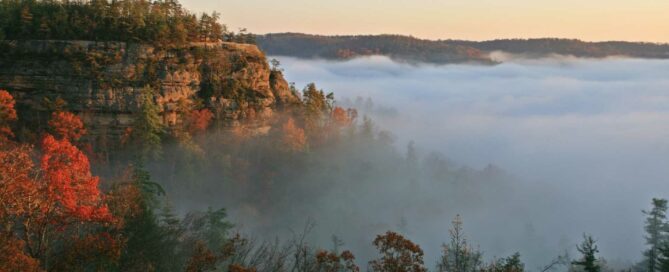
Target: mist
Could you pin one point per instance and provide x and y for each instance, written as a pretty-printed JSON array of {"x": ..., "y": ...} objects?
[{"x": 582, "y": 144}]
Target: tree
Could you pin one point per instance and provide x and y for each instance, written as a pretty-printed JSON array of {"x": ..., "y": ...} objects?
[
  {"x": 656, "y": 232},
  {"x": 152, "y": 239},
  {"x": 588, "y": 250},
  {"x": 13, "y": 256},
  {"x": 198, "y": 121},
  {"x": 398, "y": 254},
  {"x": 72, "y": 191},
  {"x": 341, "y": 117},
  {"x": 293, "y": 138},
  {"x": 327, "y": 261},
  {"x": 7, "y": 114},
  {"x": 67, "y": 125},
  {"x": 148, "y": 126},
  {"x": 275, "y": 65},
  {"x": 459, "y": 256},
  {"x": 508, "y": 264},
  {"x": 663, "y": 259}
]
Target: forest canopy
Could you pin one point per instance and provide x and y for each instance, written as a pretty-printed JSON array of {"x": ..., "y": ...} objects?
[{"x": 161, "y": 23}]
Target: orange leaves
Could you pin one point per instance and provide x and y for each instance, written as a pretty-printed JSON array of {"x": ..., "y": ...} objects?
[
  {"x": 17, "y": 186},
  {"x": 70, "y": 184},
  {"x": 67, "y": 125},
  {"x": 60, "y": 194},
  {"x": 331, "y": 262},
  {"x": 203, "y": 259},
  {"x": 199, "y": 120},
  {"x": 125, "y": 202},
  {"x": 294, "y": 138},
  {"x": 12, "y": 256},
  {"x": 239, "y": 268},
  {"x": 342, "y": 117},
  {"x": 7, "y": 114},
  {"x": 398, "y": 254},
  {"x": 7, "y": 111}
]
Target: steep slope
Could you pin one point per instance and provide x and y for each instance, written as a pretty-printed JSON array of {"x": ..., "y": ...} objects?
[{"x": 102, "y": 81}]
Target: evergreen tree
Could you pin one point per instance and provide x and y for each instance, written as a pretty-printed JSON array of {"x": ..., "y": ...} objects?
[
  {"x": 656, "y": 232},
  {"x": 509, "y": 264},
  {"x": 663, "y": 259},
  {"x": 459, "y": 256},
  {"x": 588, "y": 249},
  {"x": 148, "y": 127},
  {"x": 152, "y": 239}
]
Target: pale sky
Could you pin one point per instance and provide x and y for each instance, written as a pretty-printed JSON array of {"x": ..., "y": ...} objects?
[{"x": 592, "y": 20}]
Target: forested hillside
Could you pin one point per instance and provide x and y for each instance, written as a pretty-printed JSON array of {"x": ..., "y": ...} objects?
[
  {"x": 410, "y": 49},
  {"x": 137, "y": 136}
]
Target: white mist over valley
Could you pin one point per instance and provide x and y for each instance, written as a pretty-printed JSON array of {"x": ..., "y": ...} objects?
[{"x": 585, "y": 140}]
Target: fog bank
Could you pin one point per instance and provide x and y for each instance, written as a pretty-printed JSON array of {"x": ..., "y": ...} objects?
[{"x": 587, "y": 139}]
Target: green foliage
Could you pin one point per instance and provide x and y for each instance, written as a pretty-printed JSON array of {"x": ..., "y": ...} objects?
[
  {"x": 663, "y": 259},
  {"x": 152, "y": 242},
  {"x": 242, "y": 36},
  {"x": 210, "y": 227},
  {"x": 162, "y": 23},
  {"x": 588, "y": 250},
  {"x": 148, "y": 127},
  {"x": 459, "y": 255},
  {"x": 657, "y": 232},
  {"x": 411, "y": 49},
  {"x": 315, "y": 101},
  {"x": 508, "y": 264},
  {"x": 150, "y": 190}
]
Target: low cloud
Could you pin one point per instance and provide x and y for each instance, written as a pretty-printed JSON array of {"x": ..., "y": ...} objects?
[{"x": 587, "y": 139}]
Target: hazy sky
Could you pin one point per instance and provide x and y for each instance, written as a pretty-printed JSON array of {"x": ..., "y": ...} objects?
[{"x": 638, "y": 20}]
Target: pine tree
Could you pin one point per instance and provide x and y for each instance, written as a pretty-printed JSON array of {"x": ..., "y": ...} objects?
[
  {"x": 148, "y": 127},
  {"x": 656, "y": 232},
  {"x": 459, "y": 256},
  {"x": 588, "y": 249},
  {"x": 663, "y": 259}
]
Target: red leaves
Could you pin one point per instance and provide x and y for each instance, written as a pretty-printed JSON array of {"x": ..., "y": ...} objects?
[
  {"x": 70, "y": 184},
  {"x": 12, "y": 256},
  {"x": 199, "y": 120},
  {"x": 67, "y": 125},
  {"x": 7, "y": 114},
  {"x": 17, "y": 186}
]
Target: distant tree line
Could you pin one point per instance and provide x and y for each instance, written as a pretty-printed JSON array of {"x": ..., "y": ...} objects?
[
  {"x": 411, "y": 49},
  {"x": 403, "y": 48}
]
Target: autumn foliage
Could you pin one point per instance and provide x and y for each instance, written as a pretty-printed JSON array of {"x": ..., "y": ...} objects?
[
  {"x": 66, "y": 125},
  {"x": 13, "y": 257},
  {"x": 72, "y": 191},
  {"x": 398, "y": 254},
  {"x": 50, "y": 203},
  {"x": 199, "y": 120},
  {"x": 327, "y": 261},
  {"x": 294, "y": 138},
  {"x": 7, "y": 114},
  {"x": 342, "y": 117}
]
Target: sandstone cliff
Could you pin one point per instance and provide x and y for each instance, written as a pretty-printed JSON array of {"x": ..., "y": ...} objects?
[{"x": 101, "y": 81}]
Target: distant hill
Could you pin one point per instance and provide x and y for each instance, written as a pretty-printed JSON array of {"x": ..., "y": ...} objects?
[
  {"x": 398, "y": 47},
  {"x": 410, "y": 49}
]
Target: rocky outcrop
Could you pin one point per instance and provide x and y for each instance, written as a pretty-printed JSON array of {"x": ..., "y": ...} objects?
[{"x": 102, "y": 81}]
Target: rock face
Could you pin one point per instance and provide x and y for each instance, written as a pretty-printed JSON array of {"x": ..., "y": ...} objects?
[{"x": 102, "y": 81}]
